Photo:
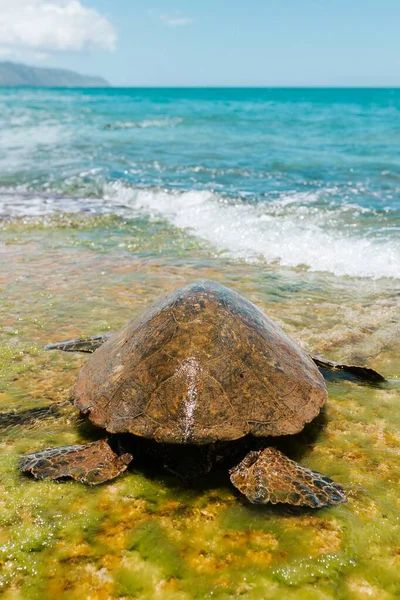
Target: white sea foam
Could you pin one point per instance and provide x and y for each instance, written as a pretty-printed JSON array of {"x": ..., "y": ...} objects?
[
  {"x": 296, "y": 230},
  {"x": 291, "y": 231},
  {"x": 23, "y": 203},
  {"x": 145, "y": 124}
]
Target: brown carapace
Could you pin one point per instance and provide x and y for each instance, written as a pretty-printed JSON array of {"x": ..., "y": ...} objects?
[{"x": 201, "y": 366}]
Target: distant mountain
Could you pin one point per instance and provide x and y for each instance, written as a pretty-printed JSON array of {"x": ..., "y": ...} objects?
[{"x": 16, "y": 74}]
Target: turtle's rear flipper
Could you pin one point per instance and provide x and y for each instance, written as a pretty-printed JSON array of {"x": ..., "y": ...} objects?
[
  {"x": 89, "y": 463},
  {"x": 355, "y": 372},
  {"x": 270, "y": 476},
  {"x": 86, "y": 344}
]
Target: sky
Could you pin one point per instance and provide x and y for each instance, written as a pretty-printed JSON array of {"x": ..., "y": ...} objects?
[{"x": 209, "y": 43}]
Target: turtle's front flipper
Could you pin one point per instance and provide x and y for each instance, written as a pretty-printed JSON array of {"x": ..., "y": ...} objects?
[
  {"x": 87, "y": 344},
  {"x": 89, "y": 463},
  {"x": 362, "y": 373},
  {"x": 270, "y": 476}
]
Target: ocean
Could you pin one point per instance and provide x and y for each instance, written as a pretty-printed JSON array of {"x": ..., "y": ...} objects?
[
  {"x": 110, "y": 198},
  {"x": 300, "y": 178}
]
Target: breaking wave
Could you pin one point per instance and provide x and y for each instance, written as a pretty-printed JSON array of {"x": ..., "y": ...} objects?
[
  {"x": 295, "y": 230},
  {"x": 292, "y": 231}
]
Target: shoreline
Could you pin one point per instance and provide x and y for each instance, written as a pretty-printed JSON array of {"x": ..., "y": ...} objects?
[{"x": 64, "y": 280}]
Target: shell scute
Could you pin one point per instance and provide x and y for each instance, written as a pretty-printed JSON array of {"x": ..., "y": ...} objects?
[{"x": 202, "y": 364}]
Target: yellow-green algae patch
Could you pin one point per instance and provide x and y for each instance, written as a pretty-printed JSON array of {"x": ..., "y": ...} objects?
[{"x": 146, "y": 535}]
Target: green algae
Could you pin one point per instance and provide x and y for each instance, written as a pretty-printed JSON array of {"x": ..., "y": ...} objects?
[
  {"x": 146, "y": 535},
  {"x": 305, "y": 570},
  {"x": 155, "y": 546}
]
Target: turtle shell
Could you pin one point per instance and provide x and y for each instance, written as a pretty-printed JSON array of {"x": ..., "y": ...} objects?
[{"x": 201, "y": 364}]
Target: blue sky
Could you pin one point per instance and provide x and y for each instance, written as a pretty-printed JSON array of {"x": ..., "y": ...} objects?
[{"x": 210, "y": 43}]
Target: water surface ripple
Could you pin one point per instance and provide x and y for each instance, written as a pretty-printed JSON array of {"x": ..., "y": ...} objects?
[{"x": 294, "y": 177}]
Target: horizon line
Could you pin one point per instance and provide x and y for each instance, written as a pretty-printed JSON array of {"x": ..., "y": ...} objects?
[{"x": 211, "y": 87}]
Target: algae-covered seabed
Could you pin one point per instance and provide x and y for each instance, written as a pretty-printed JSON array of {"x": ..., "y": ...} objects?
[{"x": 146, "y": 535}]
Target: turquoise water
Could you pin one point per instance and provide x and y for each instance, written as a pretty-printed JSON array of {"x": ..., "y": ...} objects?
[
  {"x": 291, "y": 197},
  {"x": 299, "y": 178}
]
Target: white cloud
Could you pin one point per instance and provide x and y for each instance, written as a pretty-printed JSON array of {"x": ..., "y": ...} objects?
[
  {"x": 176, "y": 20},
  {"x": 44, "y": 26}
]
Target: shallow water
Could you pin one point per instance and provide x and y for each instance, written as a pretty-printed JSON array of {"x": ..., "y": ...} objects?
[
  {"x": 146, "y": 535},
  {"x": 109, "y": 199}
]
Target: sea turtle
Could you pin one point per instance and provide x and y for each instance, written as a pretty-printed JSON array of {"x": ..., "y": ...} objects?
[{"x": 202, "y": 367}]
